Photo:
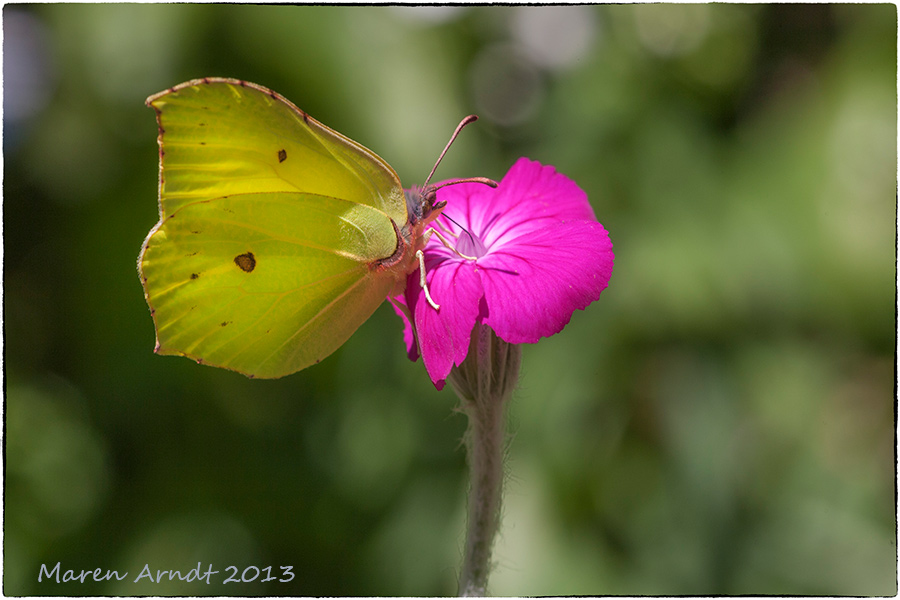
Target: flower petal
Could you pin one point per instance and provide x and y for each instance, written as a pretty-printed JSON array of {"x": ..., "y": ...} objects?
[
  {"x": 444, "y": 334},
  {"x": 529, "y": 197},
  {"x": 533, "y": 283},
  {"x": 398, "y": 303},
  {"x": 540, "y": 192}
]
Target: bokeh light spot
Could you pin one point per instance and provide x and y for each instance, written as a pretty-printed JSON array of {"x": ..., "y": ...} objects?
[{"x": 555, "y": 37}]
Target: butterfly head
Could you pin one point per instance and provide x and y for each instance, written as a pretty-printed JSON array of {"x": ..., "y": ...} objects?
[{"x": 422, "y": 205}]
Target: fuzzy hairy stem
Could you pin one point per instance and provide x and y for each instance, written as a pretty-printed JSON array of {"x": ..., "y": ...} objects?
[{"x": 484, "y": 383}]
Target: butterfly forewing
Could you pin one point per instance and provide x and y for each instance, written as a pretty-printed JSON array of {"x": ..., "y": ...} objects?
[{"x": 221, "y": 137}]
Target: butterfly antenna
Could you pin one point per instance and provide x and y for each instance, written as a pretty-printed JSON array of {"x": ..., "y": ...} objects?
[
  {"x": 483, "y": 180},
  {"x": 463, "y": 123}
]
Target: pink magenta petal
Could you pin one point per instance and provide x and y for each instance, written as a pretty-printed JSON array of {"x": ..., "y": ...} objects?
[
  {"x": 444, "y": 334},
  {"x": 529, "y": 197},
  {"x": 534, "y": 283},
  {"x": 542, "y": 193},
  {"x": 398, "y": 303}
]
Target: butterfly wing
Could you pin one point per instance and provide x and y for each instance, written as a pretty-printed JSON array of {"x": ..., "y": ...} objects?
[
  {"x": 224, "y": 136},
  {"x": 272, "y": 226}
]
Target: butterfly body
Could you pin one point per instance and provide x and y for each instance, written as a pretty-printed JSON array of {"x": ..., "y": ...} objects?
[{"x": 277, "y": 237}]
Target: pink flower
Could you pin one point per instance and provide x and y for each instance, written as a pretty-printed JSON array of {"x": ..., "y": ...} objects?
[{"x": 539, "y": 255}]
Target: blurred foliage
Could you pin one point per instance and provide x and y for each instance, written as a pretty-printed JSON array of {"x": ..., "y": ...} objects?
[{"x": 720, "y": 422}]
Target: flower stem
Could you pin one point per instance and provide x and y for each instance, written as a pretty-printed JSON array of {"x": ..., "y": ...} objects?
[
  {"x": 484, "y": 382},
  {"x": 484, "y": 444}
]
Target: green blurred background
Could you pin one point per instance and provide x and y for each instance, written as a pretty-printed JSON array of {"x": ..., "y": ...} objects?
[{"x": 720, "y": 422}]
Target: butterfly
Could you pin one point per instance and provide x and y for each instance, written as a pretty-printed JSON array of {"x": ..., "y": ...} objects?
[{"x": 277, "y": 236}]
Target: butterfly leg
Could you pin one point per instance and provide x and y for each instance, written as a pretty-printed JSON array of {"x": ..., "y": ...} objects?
[
  {"x": 436, "y": 224},
  {"x": 421, "y": 256},
  {"x": 447, "y": 244}
]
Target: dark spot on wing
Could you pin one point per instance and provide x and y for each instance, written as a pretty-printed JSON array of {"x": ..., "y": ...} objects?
[
  {"x": 282, "y": 155},
  {"x": 246, "y": 262},
  {"x": 225, "y": 323},
  {"x": 195, "y": 275}
]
